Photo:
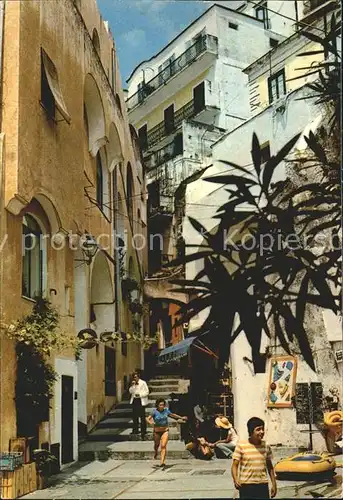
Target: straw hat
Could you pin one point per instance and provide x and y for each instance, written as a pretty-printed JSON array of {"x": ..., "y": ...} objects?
[{"x": 223, "y": 422}]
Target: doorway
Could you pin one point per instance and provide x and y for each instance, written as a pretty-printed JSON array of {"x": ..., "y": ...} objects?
[{"x": 67, "y": 420}]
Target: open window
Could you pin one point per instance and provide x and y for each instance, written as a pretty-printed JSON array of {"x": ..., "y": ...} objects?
[
  {"x": 33, "y": 258},
  {"x": 51, "y": 94}
]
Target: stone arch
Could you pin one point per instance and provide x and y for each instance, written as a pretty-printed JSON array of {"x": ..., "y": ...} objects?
[
  {"x": 101, "y": 296},
  {"x": 51, "y": 212},
  {"x": 95, "y": 116},
  {"x": 114, "y": 148},
  {"x": 96, "y": 41}
]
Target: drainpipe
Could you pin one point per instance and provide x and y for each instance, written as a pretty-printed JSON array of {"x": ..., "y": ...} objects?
[
  {"x": 2, "y": 18},
  {"x": 296, "y": 14},
  {"x": 115, "y": 252}
]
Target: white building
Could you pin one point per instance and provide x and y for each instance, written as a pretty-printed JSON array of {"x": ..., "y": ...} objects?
[
  {"x": 277, "y": 116},
  {"x": 181, "y": 101}
]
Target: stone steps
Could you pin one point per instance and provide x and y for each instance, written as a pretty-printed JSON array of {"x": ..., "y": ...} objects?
[
  {"x": 164, "y": 388},
  {"x": 106, "y": 434},
  {"x": 113, "y": 438},
  {"x": 159, "y": 383},
  {"x": 143, "y": 450}
]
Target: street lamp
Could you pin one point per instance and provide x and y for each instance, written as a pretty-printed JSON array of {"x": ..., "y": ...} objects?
[{"x": 89, "y": 247}]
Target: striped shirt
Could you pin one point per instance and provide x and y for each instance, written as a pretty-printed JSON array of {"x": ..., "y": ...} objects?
[{"x": 252, "y": 460}]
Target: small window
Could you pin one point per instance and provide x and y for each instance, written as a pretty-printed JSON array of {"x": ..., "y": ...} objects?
[
  {"x": 99, "y": 182},
  {"x": 273, "y": 43},
  {"x": 32, "y": 271},
  {"x": 143, "y": 137},
  {"x": 265, "y": 152},
  {"x": 261, "y": 13},
  {"x": 276, "y": 86},
  {"x": 233, "y": 26},
  {"x": 51, "y": 93}
]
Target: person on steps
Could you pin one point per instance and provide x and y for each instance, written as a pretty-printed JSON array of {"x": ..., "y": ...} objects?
[
  {"x": 139, "y": 399},
  {"x": 159, "y": 419},
  {"x": 225, "y": 446}
]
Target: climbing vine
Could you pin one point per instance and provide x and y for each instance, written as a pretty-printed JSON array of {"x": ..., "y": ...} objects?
[{"x": 37, "y": 335}]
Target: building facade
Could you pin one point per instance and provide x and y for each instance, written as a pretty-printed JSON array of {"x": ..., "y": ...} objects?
[
  {"x": 181, "y": 101},
  {"x": 280, "y": 108},
  {"x": 70, "y": 172}
]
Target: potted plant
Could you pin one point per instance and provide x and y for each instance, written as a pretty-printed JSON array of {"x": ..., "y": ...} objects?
[{"x": 46, "y": 462}]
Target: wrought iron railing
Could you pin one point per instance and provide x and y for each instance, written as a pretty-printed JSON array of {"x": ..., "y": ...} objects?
[
  {"x": 160, "y": 131},
  {"x": 206, "y": 42},
  {"x": 310, "y": 5},
  {"x": 166, "y": 153}
]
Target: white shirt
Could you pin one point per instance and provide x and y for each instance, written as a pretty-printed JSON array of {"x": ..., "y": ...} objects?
[
  {"x": 139, "y": 390},
  {"x": 199, "y": 415}
]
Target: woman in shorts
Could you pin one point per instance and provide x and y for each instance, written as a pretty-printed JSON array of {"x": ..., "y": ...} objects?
[{"x": 159, "y": 419}]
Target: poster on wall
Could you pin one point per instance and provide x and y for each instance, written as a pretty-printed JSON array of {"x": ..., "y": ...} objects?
[{"x": 282, "y": 378}]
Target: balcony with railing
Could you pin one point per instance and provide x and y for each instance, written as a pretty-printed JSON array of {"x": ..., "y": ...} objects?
[
  {"x": 317, "y": 8},
  {"x": 161, "y": 130},
  {"x": 165, "y": 153},
  {"x": 204, "y": 44}
]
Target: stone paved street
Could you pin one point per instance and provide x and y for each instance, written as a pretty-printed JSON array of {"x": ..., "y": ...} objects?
[{"x": 141, "y": 479}]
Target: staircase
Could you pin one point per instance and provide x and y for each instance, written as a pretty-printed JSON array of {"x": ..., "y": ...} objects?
[{"x": 112, "y": 436}]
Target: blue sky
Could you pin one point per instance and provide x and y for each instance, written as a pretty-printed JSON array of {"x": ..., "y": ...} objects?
[{"x": 142, "y": 27}]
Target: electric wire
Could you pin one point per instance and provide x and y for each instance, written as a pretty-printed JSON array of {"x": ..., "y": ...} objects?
[{"x": 286, "y": 17}]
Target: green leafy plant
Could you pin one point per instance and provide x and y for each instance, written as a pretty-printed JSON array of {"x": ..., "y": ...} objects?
[
  {"x": 253, "y": 289},
  {"x": 37, "y": 335},
  {"x": 40, "y": 329},
  {"x": 128, "y": 285},
  {"x": 136, "y": 307}
]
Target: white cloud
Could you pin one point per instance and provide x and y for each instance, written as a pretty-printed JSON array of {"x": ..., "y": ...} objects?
[
  {"x": 135, "y": 37},
  {"x": 150, "y": 5}
]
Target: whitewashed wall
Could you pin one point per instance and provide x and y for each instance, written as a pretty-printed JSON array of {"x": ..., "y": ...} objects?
[{"x": 202, "y": 200}]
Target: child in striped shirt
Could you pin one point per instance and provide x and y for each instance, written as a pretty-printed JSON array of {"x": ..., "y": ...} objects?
[{"x": 250, "y": 462}]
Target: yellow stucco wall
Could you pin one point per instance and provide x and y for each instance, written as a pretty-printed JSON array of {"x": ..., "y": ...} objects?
[
  {"x": 291, "y": 71},
  {"x": 52, "y": 159},
  {"x": 179, "y": 99}
]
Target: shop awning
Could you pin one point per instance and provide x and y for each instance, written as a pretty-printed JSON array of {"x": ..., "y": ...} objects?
[
  {"x": 179, "y": 350},
  {"x": 176, "y": 351}
]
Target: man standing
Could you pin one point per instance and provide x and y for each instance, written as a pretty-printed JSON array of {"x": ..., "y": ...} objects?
[
  {"x": 139, "y": 399},
  {"x": 251, "y": 460}
]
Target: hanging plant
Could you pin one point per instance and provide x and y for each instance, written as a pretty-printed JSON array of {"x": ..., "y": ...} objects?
[
  {"x": 128, "y": 285},
  {"x": 40, "y": 330},
  {"x": 37, "y": 336},
  {"x": 136, "y": 307}
]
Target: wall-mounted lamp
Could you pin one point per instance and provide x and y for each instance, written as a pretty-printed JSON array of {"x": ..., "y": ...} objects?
[{"x": 89, "y": 248}]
